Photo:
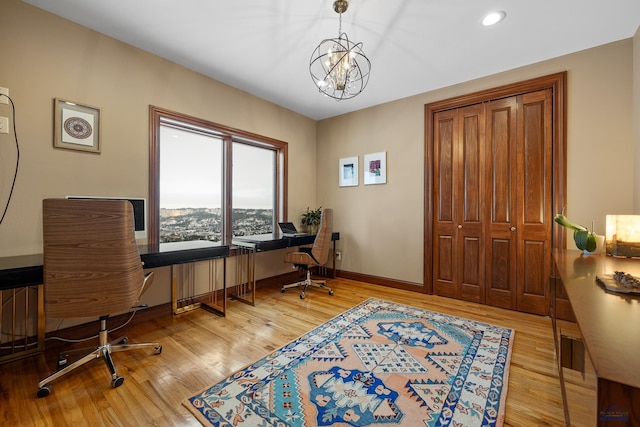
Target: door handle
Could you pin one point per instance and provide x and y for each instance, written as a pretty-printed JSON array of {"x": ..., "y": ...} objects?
[
  {"x": 459, "y": 226},
  {"x": 513, "y": 229}
]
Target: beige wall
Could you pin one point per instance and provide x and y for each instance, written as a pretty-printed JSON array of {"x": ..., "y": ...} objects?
[
  {"x": 636, "y": 120},
  {"x": 44, "y": 57},
  {"x": 382, "y": 225}
]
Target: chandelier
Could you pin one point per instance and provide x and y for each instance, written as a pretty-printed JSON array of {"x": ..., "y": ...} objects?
[{"x": 338, "y": 66}]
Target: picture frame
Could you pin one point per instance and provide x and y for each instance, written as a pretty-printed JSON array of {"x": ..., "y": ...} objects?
[
  {"x": 348, "y": 172},
  {"x": 375, "y": 168},
  {"x": 76, "y": 126}
]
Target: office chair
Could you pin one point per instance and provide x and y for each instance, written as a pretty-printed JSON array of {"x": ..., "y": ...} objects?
[
  {"x": 92, "y": 268},
  {"x": 316, "y": 256}
]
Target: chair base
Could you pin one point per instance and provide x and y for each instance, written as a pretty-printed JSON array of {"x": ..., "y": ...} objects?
[
  {"x": 104, "y": 350},
  {"x": 306, "y": 283}
]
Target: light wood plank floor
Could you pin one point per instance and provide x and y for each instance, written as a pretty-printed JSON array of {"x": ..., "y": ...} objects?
[{"x": 200, "y": 348}]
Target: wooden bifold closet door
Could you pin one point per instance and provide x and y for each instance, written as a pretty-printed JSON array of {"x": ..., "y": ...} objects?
[
  {"x": 458, "y": 256},
  {"x": 492, "y": 202}
]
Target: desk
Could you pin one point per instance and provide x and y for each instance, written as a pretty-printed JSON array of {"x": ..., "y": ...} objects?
[
  {"x": 24, "y": 270},
  {"x": 21, "y": 280},
  {"x": 21, "y": 290},
  {"x": 184, "y": 254},
  {"x": 610, "y": 328},
  {"x": 20, "y": 271},
  {"x": 248, "y": 246}
]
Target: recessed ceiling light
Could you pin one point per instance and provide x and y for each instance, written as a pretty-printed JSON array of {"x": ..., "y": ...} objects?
[{"x": 493, "y": 18}]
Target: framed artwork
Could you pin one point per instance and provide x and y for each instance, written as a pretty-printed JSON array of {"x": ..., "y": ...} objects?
[
  {"x": 349, "y": 172},
  {"x": 375, "y": 168},
  {"x": 76, "y": 127}
]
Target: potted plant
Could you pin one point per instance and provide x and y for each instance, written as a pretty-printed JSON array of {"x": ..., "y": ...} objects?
[
  {"x": 311, "y": 219},
  {"x": 585, "y": 239}
]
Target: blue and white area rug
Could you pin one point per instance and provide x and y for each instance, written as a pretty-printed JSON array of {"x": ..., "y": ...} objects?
[{"x": 377, "y": 364}]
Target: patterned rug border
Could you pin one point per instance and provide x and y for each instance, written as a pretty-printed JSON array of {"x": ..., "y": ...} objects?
[{"x": 186, "y": 402}]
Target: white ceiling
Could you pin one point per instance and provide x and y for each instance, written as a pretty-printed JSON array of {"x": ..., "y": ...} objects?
[{"x": 263, "y": 46}]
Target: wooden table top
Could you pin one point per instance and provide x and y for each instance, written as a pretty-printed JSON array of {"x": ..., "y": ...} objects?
[{"x": 609, "y": 322}]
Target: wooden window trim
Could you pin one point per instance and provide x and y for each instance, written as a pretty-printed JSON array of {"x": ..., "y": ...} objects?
[{"x": 229, "y": 135}]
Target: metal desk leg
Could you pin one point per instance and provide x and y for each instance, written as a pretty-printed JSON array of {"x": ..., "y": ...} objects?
[
  {"x": 184, "y": 295},
  {"x": 245, "y": 274},
  {"x": 22, "y": 322}
]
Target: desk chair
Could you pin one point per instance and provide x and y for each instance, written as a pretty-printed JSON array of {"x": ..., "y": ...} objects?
[
  {"x": 316, "y": 256},
  {"x": 92, "y": 268}
]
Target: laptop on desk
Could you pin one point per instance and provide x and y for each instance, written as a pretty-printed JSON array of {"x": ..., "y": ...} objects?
[{"x": 289, "y": 230}]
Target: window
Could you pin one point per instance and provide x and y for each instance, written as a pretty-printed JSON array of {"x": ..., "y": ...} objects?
[
  {"x": 210, "y": 182},
  {"x": 253, "y": 190}
]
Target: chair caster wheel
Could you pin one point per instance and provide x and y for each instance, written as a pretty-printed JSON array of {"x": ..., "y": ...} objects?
[
  {"x": 124, "y": 340},
  {"x": 117, "y": 381},
  {"x": 302, "y": 295},
  {"x": 331, "y": 292},
  {"x": 157, "y": 350},
  {"x": 282, "y": 290},
  {"x": 44, "y": 391}
]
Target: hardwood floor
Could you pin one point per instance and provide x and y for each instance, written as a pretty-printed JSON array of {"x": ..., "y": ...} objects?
[{"x": 200, "y": 348}]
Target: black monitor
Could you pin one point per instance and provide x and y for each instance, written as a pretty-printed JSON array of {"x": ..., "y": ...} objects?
[{"x": 139, "y": 211}]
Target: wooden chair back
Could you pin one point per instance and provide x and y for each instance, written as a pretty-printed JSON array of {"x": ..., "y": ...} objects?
[
  {"x": 92, "y": 266},
  {"x": 322, "y": 243}
]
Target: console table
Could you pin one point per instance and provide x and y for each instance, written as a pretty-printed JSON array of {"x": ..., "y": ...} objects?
[{"x": 610, "y": 327}]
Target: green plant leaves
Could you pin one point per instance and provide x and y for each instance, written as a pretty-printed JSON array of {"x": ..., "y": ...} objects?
[
  {"x": 565, "y": 222},
  {"x": 585, "y": 240},
  {"x": 311, "y": 216}
]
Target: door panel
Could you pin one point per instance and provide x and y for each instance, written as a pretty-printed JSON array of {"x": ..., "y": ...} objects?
[
  {"x": 535, "y": 218},
  {"x": 458, "y": 203},
  {"x": 471, "y": 153},
  {"x": 472, "y": 271},
  {"x": 501, "y": 262},
  {"x": 534, "y": 161},
  {"x": 446, "y": 131},
  {"x": 445, "y": 266},
  {"x": 469, "y": 205},
  {"x": 444, "y": 255},
  {"x": 532, "y": 278},
  {"x": 502, "y": 194}
]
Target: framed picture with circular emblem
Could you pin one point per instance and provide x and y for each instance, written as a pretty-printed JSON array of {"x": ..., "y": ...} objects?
[{"x": 76, "y": 126}]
